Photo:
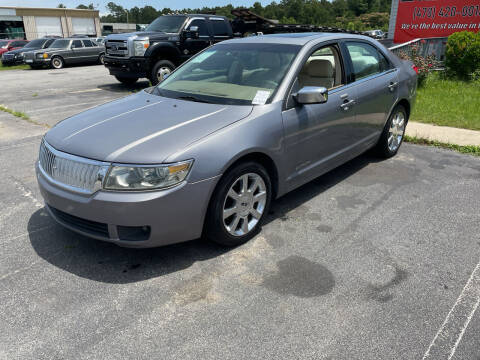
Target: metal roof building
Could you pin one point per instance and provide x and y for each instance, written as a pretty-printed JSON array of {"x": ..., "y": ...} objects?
[{"x": 33, "y": 23}]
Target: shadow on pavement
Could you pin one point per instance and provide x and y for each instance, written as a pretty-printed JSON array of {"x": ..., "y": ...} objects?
[
  {"x": 116, "y": 86},
  {"x": 105, "y": 262}
]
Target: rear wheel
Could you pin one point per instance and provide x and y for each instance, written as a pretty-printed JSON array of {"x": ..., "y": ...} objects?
[
  {"x": 101, "y": 59},
  {"x": 57, "y": 62},
  {"x": 393, "y": 133},
  {"x": 239, "y": 205},
  {"x": 161, "y": 70},
  {"x": 126, "y": 80}
]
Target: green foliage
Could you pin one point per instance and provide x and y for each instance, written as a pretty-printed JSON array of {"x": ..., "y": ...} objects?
[
  {"x": 357, "y": 14},
  {"x": 464, "y": 149},
  {"x": 448, "y": 102},
  {"x": 463, "y": 54},
  {"x": 89, "y": 7}
]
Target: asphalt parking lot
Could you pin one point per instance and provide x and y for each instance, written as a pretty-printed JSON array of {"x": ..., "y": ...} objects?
[{"x": 374, "y": 260}]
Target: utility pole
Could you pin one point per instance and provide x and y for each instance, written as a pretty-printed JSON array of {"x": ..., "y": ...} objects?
[{"x": 127, "y": 14}]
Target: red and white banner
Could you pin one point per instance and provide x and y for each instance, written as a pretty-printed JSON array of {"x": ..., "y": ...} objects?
[{"x": 435, "y": 18}]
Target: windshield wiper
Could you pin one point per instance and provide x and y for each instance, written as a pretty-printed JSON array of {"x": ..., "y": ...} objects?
[{"x": 193, "y": 98}]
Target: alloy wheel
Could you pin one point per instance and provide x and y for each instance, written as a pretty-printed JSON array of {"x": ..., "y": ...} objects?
[
  {"x": 244, "y": 204},
  {"x": 396, "y": 131}
]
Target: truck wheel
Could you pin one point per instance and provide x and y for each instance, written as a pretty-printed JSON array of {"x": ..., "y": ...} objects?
[
  {"x": 160, "y": 69},
  {"x": 57, "y": 62},
  {"x": 126, "y": 80}
]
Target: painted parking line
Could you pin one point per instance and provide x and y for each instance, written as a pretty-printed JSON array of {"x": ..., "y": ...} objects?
[
  {"x": 448, "y": 337},
  {"x": 85, "y": 91}
]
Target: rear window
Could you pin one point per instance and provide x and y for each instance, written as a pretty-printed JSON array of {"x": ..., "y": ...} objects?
[
  {"x": 77, "y": 44},
  {"x": 220, "y": 28},
  {"x": 60, "y": 44}
]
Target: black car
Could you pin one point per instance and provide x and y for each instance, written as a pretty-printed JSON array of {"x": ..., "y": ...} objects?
[{"x": 16, "y": 57}]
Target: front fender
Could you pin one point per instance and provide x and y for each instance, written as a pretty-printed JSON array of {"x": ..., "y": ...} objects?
[{"x": 162, "y": 47}]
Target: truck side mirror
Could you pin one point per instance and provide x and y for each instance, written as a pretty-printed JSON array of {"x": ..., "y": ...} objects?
[{"x": 191, "y": 33}]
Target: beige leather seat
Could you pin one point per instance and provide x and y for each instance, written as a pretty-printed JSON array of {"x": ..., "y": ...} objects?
[{"x": 318, "y": 72}]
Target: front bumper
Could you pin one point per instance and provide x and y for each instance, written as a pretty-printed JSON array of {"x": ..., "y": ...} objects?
[
  {"x": 12, "y": 61},
  {"x": 135, "y": 67},
  {"x": 171, "y": 216},
  {"x": 37, "y": 61}
]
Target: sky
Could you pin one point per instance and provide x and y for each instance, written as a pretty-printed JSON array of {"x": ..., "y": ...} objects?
[{"x": 158, "y": 4}]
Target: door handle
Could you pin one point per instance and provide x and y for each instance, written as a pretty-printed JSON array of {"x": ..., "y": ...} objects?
[
  {"x": 346, "y": 105},
  {"x": 392, "y": 86}
]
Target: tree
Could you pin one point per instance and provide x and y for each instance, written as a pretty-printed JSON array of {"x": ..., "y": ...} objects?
[
  {"x": 89, "y": 7},
  {"x": 61, "y": 6}
]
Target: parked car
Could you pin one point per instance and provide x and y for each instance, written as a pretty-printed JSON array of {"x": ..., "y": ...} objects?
[
  {"x": 376, "y": 34},
  {"x": 9, "y": 45},
  {"x": 16, "y": 57},
  {"x": 238, "y": 125},
  {"x": 65, "y": 52},
  {"x": 166, "y": 43},
  {"x": 100, "y": 40}
]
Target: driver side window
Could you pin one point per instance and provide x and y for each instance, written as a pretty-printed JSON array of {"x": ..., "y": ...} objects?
[
  {"x": 202, "y": 27},
  {"x": 323, "y": 68}
]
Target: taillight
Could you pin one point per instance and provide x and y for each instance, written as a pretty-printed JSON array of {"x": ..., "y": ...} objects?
[{"x": 415, "y": 68}]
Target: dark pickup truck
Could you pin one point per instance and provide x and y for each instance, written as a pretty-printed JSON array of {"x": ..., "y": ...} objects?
[{"x": 166, "y": 43}]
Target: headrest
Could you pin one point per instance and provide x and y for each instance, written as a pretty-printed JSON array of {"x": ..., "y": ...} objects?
[{"x": 320, "y": 68}]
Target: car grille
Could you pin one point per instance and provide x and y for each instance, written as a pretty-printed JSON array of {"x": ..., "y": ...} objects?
[
  {"x": 76, "y": 173},
  {"x": 84, "y": 225},
  {"x": 116, "y": 48},
  {"x": 8, "y": 56},
  {"x": 28, "y": 56}
]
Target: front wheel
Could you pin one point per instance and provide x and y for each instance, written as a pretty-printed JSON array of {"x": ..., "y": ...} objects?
[
  {"x": 239, "y": 205},
  {"x": 57, "y": 62},
  {"x": 126, "y": 80},
  {"x": 393, "y": 133},
  {"x": 161, "y": 70}
]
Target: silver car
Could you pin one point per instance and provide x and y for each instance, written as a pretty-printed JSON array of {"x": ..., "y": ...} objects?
[{"x": 206, "y": 151}]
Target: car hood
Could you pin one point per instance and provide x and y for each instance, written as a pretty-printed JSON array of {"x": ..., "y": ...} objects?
[
  {"x": 141, "y": 128},
  {"x": 21, "y": 50}
]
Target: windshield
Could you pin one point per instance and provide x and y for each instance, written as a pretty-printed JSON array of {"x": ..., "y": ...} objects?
[
  {"x": 35, "y": 43},
  {"x": 237, "y": 74},
  {"x": 60, "y": 44},
  {"x": 168, "y": 24},
  {"x": 3, "y": 44}
]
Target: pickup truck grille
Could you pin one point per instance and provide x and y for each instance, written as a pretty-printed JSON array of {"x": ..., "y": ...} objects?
[
  {"x": 76, "y": 173},
  {"x": 8, "y": 56},
  {"x": 116, "y": 48}
]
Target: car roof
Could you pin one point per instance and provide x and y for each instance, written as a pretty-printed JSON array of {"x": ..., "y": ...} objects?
[{"x": 296, "y": 38}]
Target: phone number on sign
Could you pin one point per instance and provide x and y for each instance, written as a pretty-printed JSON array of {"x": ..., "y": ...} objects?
[{"x": 445, "y": 12}]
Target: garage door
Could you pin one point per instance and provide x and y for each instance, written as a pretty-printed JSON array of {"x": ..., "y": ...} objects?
[
  {"x": 47, "y": 25},
  {"x": 83, "y": 26}
]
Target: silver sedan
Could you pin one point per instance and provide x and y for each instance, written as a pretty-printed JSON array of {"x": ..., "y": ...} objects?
[{"x": 206, "y": 151}]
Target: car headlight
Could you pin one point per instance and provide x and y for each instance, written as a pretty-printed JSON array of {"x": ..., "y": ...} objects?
[
  {"x": 140, "y": 46},
  {"x": 41, "y": 56},
  {"x": 147, "y": 177}
]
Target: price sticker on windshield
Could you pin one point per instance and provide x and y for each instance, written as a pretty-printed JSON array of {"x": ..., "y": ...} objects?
[{"x": 261, "y": 97}]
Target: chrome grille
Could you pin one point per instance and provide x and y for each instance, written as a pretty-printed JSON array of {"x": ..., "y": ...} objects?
[
  {"x": 117, "y": 48},
  {"x": 8, "y": 56},
  {"x": 74, "y": 172}
]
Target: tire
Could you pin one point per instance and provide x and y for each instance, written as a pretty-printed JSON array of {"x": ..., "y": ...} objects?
[
  {"x": 160, "y": 69},
  {"x": 126, "y": 80},
  {"x": 57, "y": 62},
  {"x": 393, "y": 133},
  {"x": 101, "y": 59},
  {"x": 228, "y": 230}
]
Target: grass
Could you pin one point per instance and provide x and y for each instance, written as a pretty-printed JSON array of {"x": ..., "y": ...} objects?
[
  {"x": 464, "y": 149},
  {"x": 21, "y": 115},
  {"x": 14, "y": 67},
  {"x": 448, "y": 102}
]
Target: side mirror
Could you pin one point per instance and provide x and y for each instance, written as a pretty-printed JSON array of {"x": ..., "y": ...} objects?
[
  {"x": 311, "y": 95},
  {"x": 191, "y": 33}
]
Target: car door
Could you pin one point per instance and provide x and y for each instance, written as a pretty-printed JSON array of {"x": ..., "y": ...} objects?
[
  {"x": 90, "y": 50},
  {"x": 375, "y": 81},
  {"x": 317, "y": 136},
  {"x": 193, "y": 45},
  {"x": 221, "y": 30},
  {"x": 77, "y": 53}
]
